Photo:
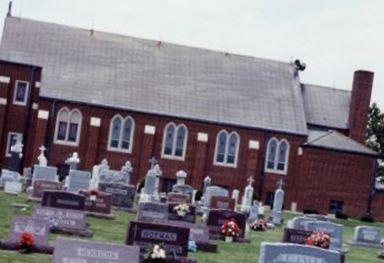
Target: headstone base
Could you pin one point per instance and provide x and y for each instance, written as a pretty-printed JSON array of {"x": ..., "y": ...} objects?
[
  {"x": 8, "y": 245},
  {"x": 72, "y": 232},
  {"x": 100, "y": 215},
  {"x": 131, "y": 210},
  {"x": 362, "y": 244}
]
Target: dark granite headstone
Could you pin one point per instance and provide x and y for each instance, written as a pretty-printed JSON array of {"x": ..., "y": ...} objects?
[
  {"x": 123, "y": 195},
  {"x": 60, "y": 199},
  {"x": 149, "y": 211},
  {"x": 75, "y": 251},
  {"x": 61, "y": 219},
  {"x": 222, "y": 202},
  {"x": 101, "y": 205},
  {"x": 174, "y": 238},
  {"x": 296, "y": 236},
  {"x": 38, "y": 228},
  {"x": 178, "y": 198},
  {"x": 40, "y": 186},
  {"x": 189, "y": 217},
  {"x": 217, "y": 217}
]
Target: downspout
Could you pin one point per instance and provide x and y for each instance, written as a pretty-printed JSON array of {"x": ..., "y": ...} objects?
[
  {"x": 262, "y": 173},
  {"x": 47, "y": 139}
]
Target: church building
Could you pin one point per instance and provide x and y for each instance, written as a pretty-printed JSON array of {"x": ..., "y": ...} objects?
[{"x": 209, "y": 113}]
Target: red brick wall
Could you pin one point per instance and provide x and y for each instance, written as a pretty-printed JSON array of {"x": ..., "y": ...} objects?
[
  {"x": 250, "y": 161},
  {"x": 325, "y": 175},
  {"x": 16, "y": 118}
]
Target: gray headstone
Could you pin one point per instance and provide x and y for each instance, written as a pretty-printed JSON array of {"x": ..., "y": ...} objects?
[
  {"x": 13, "y": 187},
  {"x": 27, "y": 224},
  {"x": 45, "y": 173},
  {"x": 75, "y": 251},
  {"x": 295, "y": 253},
  {"x": 214, "y": 191},
  {"x": 278, "y": 202},
  {"x": 298, "y": 222},
  {"x": 184, "y": 189},
  {"x": 78, "y": 180},
  {"x": 61, "y": 218},
  {"x": 253, "y": 212},
  {"x": 123, "y": 195},
  {"x": 334, "y": 230},
  {"x": 8, "y": 176},
  {"x": 150, "y": 183},
  {"x": 366, "y": 236},
  {"x": 148, "y": 211}
]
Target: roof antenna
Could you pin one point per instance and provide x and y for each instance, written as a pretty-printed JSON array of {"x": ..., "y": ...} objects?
[
  {"x": 92, "y": 31},
  {"x": 9, "y": 9}
]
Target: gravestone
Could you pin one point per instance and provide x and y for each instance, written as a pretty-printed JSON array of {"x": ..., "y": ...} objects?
[
  {"x": 148, "y": 191},
  {"x": 178, "y": 198},
  {"x": 253, "y": 212},
  {"x": 217, "y": 217},
  {"x": 181, "y": 187},
  {"x": 222, "y": 202},
  {"x": 61, "y": 219},
  {"x": 214, "y": 191},
  {"x": 296, "y": 236},
  {"x": 189, "y": 217},
  {"x": 8, "y": 176},
  {"x": 294, "y": 253},
  {"x": 73, "y": 161},
  {"x": 78, "y": 180},
  {"x": 148, "y": 211},
  {"x": 235, "y": 196},
  {"x": 366, "y": 236},
  {"x": 44, "y": 173},
  {"x": 246, "y": 201},
  {"x": 30, "y": 225},
  {"x": 61, "y": 199},
  {"x": 334, "y": 230},
  {"x": 298, "y": 222},
  {"x": 98, "y": 203},
  {"x": 110, "y": 176},
  {"x": 40, "y": 186},
  {"x": 75, "y": 251},
  {"x": 123, "y": 195},
  {"x": 174, "y": 238},
  {"x": 278, "y": 201},
  {"x": 41, "y": 158},
  {"x": 13, "y": 187}
]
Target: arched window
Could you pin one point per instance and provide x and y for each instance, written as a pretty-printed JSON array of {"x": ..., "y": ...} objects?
[
  {"x": 227, "y": 146},
  {"x": 174, "y": 141},
  {"x": 68, "y": 124},
  {"x": 277, "y": 156},
  {"x": 121, "y": 134}
]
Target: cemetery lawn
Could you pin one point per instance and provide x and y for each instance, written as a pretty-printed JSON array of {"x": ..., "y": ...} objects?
[{"x": 114, "y": 231}]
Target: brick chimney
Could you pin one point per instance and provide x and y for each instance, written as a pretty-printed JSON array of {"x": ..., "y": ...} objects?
[{"x": 359, "y": 107}]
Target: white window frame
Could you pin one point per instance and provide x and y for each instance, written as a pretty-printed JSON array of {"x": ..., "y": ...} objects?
[
  {"x": 173, "y": 156},
  {"x": 225, "y": 163},
  {"x": 276, "y": 159},
  {"x": 8, "y": 148},
  {"x": 21, "y": 103},
  {"x": 65, "y": 141},
  {"x": 120, "y": 142}
]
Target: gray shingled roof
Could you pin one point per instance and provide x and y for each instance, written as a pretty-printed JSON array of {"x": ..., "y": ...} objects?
[
  {"x": 334, "y": 140},
  {"x": 326, "y": 106},
  {"x": 174, "y": 80}
]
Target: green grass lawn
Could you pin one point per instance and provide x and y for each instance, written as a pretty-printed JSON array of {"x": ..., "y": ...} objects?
[{"x": 114, "y": 231}]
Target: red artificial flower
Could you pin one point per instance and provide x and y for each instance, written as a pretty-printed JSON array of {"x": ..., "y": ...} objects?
[
  {"x": 230, "y": 228},
  {"x": 27, "y": 241},
  {"x": 318, "y": 239}
]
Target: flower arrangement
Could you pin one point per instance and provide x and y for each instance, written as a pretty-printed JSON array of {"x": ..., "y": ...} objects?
[
  {"x": 230, "y": 229},
  {"x": 26, "y": 243},
  {"x": 181, "y": 209},
  {"x": 259, "y": 225},
  {"x": 318, "y": 239},
  {"x": 155, "y": 254}
]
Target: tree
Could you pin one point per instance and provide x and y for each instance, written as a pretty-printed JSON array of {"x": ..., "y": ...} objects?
[{"x": 375, "y": 132}]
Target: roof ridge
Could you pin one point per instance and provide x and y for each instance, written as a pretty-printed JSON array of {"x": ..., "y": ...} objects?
[
  {"x": 152, "y": 40},
  {"x": 311, "y": 85}
]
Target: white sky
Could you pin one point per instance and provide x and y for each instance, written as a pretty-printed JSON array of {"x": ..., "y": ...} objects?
[{"x": 333, "y": 38}]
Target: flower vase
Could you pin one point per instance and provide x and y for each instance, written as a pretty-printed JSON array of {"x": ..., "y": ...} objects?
[
  {"x": 181, "y": 213},
  {"x": 228, "y": 239}
]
